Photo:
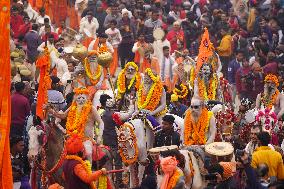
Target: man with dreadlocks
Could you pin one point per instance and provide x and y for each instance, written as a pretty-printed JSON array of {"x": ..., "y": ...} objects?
[{"x": 271, "y": 97}]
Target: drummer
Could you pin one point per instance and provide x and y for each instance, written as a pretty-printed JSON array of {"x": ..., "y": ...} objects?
[{"x": 167, "y": 136}]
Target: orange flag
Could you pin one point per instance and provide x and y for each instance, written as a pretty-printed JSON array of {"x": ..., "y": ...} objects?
[
  {"x": 205, "y": 50},
  {"x": 43, "y": 63},
  {"x": 6, "y": 178}
]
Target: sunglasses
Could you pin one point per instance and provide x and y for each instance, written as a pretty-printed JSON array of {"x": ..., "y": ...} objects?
[{"x": 195, "y": 107}]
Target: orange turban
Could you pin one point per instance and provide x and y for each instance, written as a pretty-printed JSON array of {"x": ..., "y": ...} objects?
[
  {"x": 229, "y": 169},
  {"x": 169, "y": 165},
  {"x": 55, "y": 186},
  {"x": 74, "y": 144}
]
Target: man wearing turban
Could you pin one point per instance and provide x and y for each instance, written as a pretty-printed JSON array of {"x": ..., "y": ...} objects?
[{"x": 75, "y": 170}]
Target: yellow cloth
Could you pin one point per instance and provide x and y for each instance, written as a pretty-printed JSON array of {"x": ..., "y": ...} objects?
[
  {"x": 225, "y": 48},
  {"x": 264, "y": 154},
  {"x": 251, "y": 20}
]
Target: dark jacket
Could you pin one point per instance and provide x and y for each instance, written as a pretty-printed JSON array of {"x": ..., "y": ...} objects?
[
  {"x": 109, "y": 134},
  {"x": 167, "y": 139},
  {"x": 233, "y": 67}
]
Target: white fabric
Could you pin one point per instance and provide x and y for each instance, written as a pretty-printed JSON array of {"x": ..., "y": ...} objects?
[
  {"x": 61, "y": 66},
  {"x": 31, "y": 12},
  {"x": 158, "y": 48},
  {"x": 167, "y": 66},
  {"x": 114, "y": 37},
  {"x": 42, "y": 30},
  {"x": 16, "y": 185},
  {"x": 52, "y": 50},
  {"x": 40, "y": 19},
  {"x": 89, "y": 26}
]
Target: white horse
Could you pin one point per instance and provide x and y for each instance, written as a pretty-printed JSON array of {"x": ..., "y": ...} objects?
[
  {"x": 192, "y": 174},
  {"x": 143, "y": 140}
]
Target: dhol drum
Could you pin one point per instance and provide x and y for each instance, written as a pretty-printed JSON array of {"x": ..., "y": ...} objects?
[{"x": 219, "y": 151}]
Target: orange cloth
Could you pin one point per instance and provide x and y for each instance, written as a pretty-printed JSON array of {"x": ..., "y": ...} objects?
[
  {"x": 229, "y": 169},
  {"x": 144, "y": 65},
  {"x": 205, "y": 50},
  {"x": 74, "y": 144},
  {"x": 155, "y": 66},
  {"x": 59, "y": 9},
  {"x": 86, "y": 42},
  {"x": 113, "y": 66},
  {"x": 43, "y": 63},
  {"x": 6, "y": 179},
  {"x": 168, "y": 164},
  {"x": 81, "y": 172},
  {"x": 73, "y": 16}
]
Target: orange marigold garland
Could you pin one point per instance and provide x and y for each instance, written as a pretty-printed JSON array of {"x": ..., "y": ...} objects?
[
  {"x": 266, "y": 100},
  {"x": 210, "y": 93},
  {"x": 127, "y": 160},
  {"x": 195, "y": 132},
  {"x": 269, "y": 102},
  {"x": 94, "y": 78},
  {"x": 152, "y": 99},
  {"x": 174, "y": 179},
  {"x": 76, "y": 120},
  {"x": 121, "y": 80}
]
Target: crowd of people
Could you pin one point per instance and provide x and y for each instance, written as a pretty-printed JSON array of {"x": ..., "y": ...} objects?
[{"x": 101, "y": 88}]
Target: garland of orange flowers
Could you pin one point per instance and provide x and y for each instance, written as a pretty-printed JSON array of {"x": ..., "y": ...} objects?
[
  {"x": 269, "y": 102},
  {"x": 174, "y": 179},
  {"x": 181, "y": 93},
  {"x": 273, "y": 78},
  {"x": 153, "y": 97},
  {"x": 121, "y": 80},
  {"x": 194, "y": 132},
  {"x": 86, "y": 164},
  {"x": 94, "y": 78},
  {"x": 76, "y": 121},
  {"x": 126, "y": 160},
  {"x": 210, "y": 93}
]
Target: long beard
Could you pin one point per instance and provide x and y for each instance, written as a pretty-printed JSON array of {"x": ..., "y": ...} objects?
[{"x": 269, "y": 91}]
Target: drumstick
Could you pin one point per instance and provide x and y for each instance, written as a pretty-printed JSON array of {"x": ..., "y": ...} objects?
[{"x": 115, "y": 171}]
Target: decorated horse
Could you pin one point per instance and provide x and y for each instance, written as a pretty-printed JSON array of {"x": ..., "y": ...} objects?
[
  {"x": 47, "y": 149},
  {"x": 190, "y": 161},
  {"x": 135, "y": 137}
]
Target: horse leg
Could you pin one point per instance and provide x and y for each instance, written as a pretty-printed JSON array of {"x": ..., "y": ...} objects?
[
  {"x": 141, "y": 170},
  {"x": 149, "y": 138},
  {"x": 134, "y": 180}
]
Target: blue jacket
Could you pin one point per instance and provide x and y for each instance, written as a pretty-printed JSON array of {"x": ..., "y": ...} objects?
[{"x": 232, "y": 70}]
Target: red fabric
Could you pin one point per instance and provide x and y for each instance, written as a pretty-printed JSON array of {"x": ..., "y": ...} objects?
[
  {"x": 270, "y": 68},
  {"x": 56, "y": 37},
  {"x": 15, "y": 23},
  {"x": 25, "y": 28},
  {"x": 239, "y": 83},
  {"x": 170, "y": 37},
  {"x": 20, "y": 108}
]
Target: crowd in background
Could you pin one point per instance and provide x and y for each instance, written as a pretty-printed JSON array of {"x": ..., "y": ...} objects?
[{"x": 246, "y": 34}]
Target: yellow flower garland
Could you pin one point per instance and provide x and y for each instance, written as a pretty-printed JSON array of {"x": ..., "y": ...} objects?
[
  {"x": 125, "y": 160},
  {"x": 121, "y": 80},
  {"x": 195, "y": 132},
  {"x": 86, "y": 164},
  {"x": 94, "y": 78},
  {"x": 102, "y": 182},
  {"x": 174, "y": 179},
  {"x": 181, "y": 93},
  {"x": 152, "y": 99},
  {"x": 210, "y": 93},
  {"x": 76, "y": 121},
  {"x": 269, "y": 102}
]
